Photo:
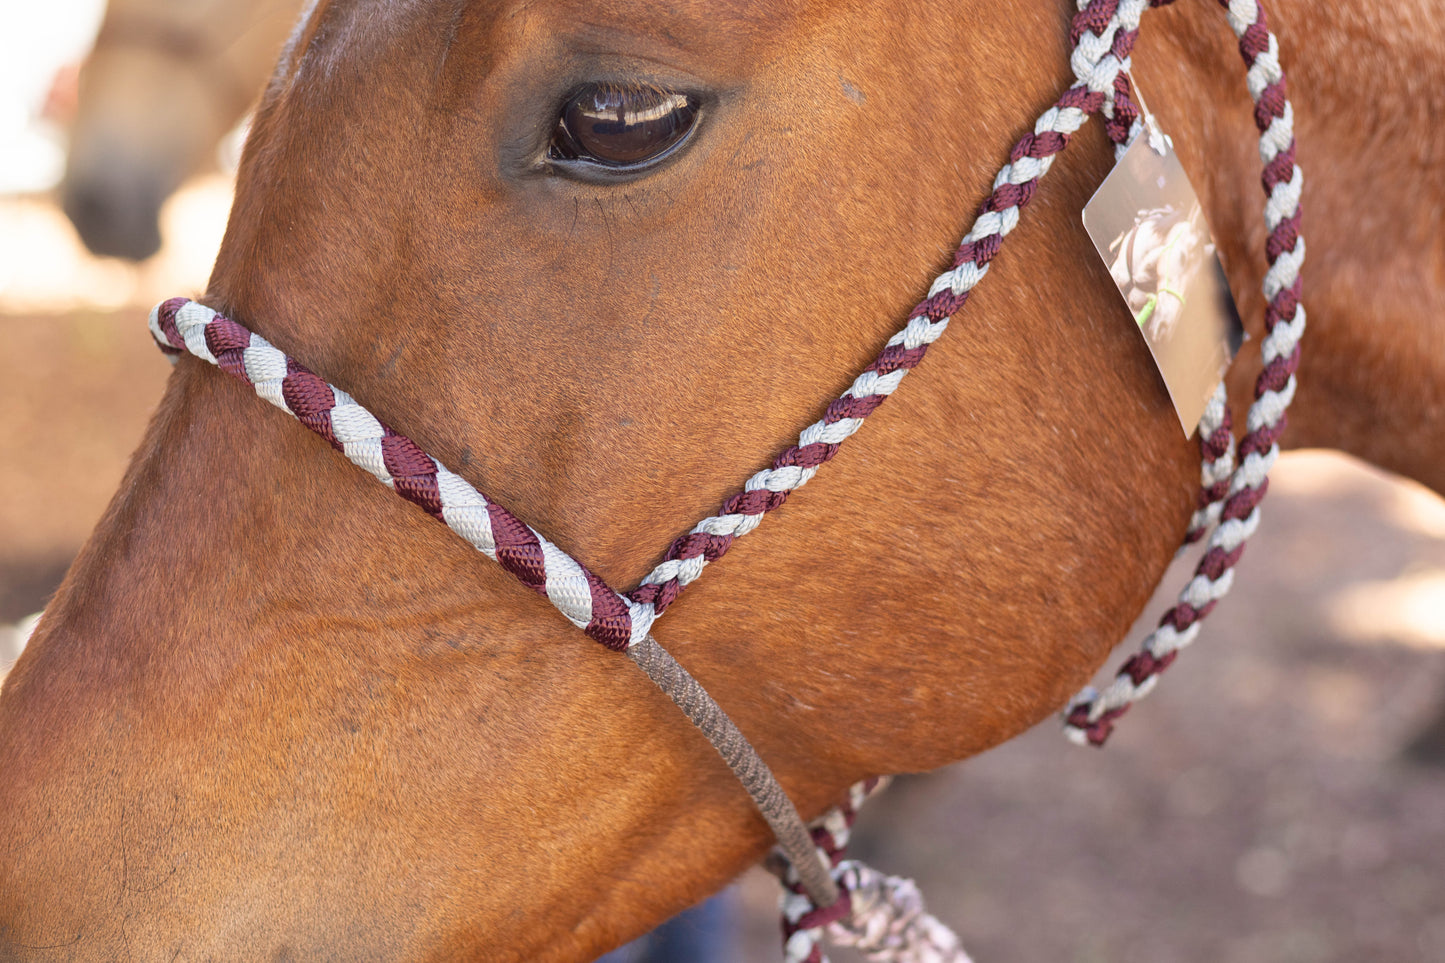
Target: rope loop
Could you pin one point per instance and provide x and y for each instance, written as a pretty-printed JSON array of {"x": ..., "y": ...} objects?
[
  {"x": 886, "y": 917},
  {"x": 1233, "y": 478}
]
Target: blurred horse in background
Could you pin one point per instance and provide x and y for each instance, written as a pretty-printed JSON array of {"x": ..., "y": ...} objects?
[{"x": 165, "y": 82}]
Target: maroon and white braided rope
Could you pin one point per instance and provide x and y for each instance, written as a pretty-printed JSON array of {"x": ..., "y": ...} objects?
[
  {"x": 819, "y": 442},
  {"x": 397, "y": 462},
  {"x": 584, "y": 599},
  {"x": 1229, "y": 501},
  {"x": 883, "y": 917},
  {"x": 896, "y": 928}
]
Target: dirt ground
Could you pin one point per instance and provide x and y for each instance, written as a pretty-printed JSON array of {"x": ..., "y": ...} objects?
[{"x": 1256, "y": 809}]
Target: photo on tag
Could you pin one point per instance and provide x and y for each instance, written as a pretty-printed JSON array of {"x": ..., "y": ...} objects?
[{"x": 1148, "y": 225}]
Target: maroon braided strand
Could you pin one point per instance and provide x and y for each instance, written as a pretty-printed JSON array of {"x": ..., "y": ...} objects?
[{"x": 1281, "y": 309}]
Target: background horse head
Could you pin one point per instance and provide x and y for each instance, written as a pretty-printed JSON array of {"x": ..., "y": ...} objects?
[
  {"x": 274, "y": 711},
  {"x": 164, "y": 83}
]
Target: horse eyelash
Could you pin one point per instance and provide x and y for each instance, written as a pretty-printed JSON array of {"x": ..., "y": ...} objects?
[{"x": 631, "y": 87}]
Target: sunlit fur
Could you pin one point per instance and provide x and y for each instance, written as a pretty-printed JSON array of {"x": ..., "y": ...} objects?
[{"x": 277, "y": 713}]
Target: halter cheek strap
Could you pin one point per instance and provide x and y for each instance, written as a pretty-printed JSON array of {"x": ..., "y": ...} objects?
[
  {"x": 856, "y": 905},
  {"x": 180, "y": 325}
]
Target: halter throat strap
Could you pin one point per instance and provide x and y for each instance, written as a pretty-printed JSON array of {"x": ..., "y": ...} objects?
[{"x": 777, "y": 809}]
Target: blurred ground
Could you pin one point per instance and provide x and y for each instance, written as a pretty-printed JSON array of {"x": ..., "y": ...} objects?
[{"x": 1253, "y": 810}]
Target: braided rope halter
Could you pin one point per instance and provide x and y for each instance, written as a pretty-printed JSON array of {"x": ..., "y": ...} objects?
[{"x": 883, "y": 916}]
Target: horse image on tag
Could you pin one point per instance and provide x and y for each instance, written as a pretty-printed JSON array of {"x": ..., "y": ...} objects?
[{"x": 1148, "y": 226}]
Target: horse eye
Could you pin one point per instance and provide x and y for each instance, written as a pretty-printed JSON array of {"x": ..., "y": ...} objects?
[{"x": 621, "y": 126}]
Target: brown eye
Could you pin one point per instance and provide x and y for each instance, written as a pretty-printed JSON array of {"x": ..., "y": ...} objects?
[{"x": 622, "y": 126}]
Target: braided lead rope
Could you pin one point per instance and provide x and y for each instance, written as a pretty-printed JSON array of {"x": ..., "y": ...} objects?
[
  {"x": 777, "y": 809},
  {"x": 884, "y": 916},
  {"x": 1216, "y": 466},
  {"x": 889, "y": 920},
  {"x": 1091, "y": 715},
  {"x": 804, "y": 920}
]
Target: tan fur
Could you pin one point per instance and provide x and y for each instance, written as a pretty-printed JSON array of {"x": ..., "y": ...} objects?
[{"x": 276, "y": 712}]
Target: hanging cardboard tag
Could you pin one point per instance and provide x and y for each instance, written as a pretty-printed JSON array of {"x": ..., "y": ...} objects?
[{"x": 1148, "y": 226}]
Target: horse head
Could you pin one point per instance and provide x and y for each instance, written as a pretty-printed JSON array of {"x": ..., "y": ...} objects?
[
  {"x": 161, "y": 88},
  {"x": 602, "y": 260}
]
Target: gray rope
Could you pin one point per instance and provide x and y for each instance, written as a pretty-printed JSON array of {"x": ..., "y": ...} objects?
[{"x": 793, "y": 837}]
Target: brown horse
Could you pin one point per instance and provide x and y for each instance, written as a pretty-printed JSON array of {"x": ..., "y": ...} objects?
[
  {"x": 163, "y": 84},
  {"x": 275, "y": 713}
]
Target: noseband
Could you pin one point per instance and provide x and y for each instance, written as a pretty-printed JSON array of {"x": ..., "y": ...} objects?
[{"x": 882, "y": 915}]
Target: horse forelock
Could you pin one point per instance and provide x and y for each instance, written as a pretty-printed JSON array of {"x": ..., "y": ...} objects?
[{"x": 328, "y": 30}]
